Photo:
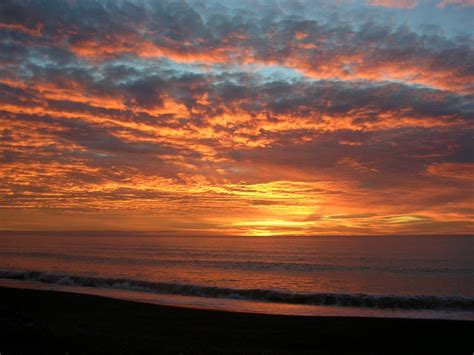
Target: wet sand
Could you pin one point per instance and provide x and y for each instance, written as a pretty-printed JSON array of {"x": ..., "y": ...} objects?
[{"x": 33, "y": 321}]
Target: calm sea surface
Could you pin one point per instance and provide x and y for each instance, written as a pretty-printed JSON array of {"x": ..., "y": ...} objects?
[{"x": 426, "y": 277}]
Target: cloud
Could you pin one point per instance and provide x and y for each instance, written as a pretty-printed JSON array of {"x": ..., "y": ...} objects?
[
  {"x": 462, "y": 171},
  {"x": 276, "y": 121},
  {"x": 462, "y": 3},
  {"x": 343, "y": 51},
  {"x": 410, "y": 4},
  {"x": 398, "y": 4}
]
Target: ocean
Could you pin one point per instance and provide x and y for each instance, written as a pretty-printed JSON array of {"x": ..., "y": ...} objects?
[{"x": 392, "y": 276}]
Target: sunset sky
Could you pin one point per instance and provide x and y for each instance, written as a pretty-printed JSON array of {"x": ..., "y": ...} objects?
[{"x": 237, "y": 117}]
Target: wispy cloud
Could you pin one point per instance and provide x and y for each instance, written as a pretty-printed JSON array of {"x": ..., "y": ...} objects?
[{"x": 397, "y": 4}]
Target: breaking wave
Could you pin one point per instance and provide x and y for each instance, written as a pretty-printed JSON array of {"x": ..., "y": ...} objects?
[{"x": 324, "y": 299}]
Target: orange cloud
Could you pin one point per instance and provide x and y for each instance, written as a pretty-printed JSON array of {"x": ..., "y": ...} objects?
[
  {"x": 462, "y": 171},
  {"x": 35, "y": 31},
  {"x": 268, "y": 126},
  {"x": 398, "y": 4},
  {"x": 146, "y": 49}
]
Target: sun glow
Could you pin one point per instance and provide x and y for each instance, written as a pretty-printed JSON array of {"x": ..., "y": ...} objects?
[{"x": 274, "y": 227}]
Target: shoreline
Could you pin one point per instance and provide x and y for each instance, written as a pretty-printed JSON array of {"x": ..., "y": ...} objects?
[
  {"x": 43, "y": 321},
  {"x": 233, "y": 305}
]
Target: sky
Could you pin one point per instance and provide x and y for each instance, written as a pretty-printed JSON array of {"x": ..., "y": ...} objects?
[{"x": 237, "y": 117}]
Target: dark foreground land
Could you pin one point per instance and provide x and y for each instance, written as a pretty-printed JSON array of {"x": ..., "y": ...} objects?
[{"x": 55, "y": 322}]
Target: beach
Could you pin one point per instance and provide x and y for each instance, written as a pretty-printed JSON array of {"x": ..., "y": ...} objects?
[{"x": 39, "y": 321}]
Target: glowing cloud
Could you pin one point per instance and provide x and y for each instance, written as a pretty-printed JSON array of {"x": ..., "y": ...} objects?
[
  {"x": 185, "y": 117},
  {"x": 398, "y": 4}
]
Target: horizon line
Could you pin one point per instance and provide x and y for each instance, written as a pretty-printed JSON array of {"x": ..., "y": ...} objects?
[{"x": 158, "y": 233}]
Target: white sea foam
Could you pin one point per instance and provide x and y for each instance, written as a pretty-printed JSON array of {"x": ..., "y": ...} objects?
[{"x": 408, "y": 302}]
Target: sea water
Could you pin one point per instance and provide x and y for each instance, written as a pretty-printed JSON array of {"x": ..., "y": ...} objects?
[{"x": 392, "y": 276}]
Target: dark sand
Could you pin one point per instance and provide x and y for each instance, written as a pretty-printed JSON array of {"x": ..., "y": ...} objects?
[{"x": 55, "y": 322}]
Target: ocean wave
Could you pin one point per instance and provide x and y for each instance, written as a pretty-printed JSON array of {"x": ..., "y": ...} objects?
[{"x": 325, "y": 299}]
